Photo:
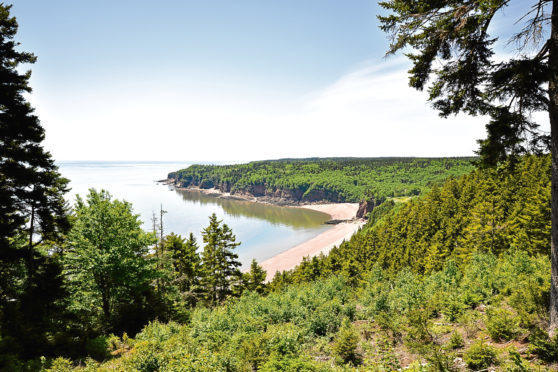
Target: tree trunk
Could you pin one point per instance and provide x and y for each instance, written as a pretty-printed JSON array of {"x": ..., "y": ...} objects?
[{"x": 553, "y": 114}]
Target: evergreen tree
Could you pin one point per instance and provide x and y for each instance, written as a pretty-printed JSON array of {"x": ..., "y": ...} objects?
[
  {"x": 33, "y": 213},
  {"x": 254, "y": 280},
  {"x": 220, "y": 264},
  {"x": 451, "y": 42},
  {"x": 187, "y": 265}
]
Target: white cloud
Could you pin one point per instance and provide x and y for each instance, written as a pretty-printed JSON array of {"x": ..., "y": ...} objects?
[{"x": 370, "y": 111}]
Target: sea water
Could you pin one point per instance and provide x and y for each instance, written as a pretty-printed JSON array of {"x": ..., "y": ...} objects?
[{"x": 263, "y": 230}]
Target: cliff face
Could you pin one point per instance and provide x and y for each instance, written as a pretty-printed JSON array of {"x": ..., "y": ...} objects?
[
  {"x": 365, "y": 207},
  {"x": 261, "y": 191}
]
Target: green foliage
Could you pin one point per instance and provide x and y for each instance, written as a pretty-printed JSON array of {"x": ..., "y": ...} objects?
[
  {"x": 346, "y": 343},
  {"x": 484, "y": 211},
  {"x": 543, "y": 346},
  {"x": 502, "y": 324},
  {"x": 480, "y": 355},
  {"x": 455, "y": 341},
  {"x": 33, "y": 212},
  {"x": 97, "y": 348},
  {"x": 254, "y": 280},
  {"x": 107, "y": 265},
  {"x": 219, "y": 263},
  {"x": 331, "y": 179},
  {"x": 186, "y": 263},
  {"x": 452, "y": 48},
  {"x": 309, "y": 326},
  {"x": 60, "y": 365}
]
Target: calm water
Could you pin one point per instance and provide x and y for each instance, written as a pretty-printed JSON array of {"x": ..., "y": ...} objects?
[{"x": 264, "y": 230}]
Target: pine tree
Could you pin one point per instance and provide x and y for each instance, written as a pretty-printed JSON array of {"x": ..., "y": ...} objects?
[
  {"x": 220, "y": 265},
  {"x": 33, "y": 213}
]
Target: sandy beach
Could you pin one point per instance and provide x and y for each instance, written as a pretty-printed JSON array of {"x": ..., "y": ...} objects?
[{"x": 319, "y": 244}]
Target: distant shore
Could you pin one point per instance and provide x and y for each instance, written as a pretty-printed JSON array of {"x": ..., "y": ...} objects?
[{"x": 322, "y": 243}]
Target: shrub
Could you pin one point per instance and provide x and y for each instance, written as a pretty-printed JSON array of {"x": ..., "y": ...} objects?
[
  {"x": 60, "y": 365},
  {"x": 97, "y": 348},
  {"x": 346, "y": 343},
  {"x": 502, "y": 324},
  {"x": 480, "y": 355},
  {"x": 455, "y": 341},
  {"x": 543, "y": 346}
]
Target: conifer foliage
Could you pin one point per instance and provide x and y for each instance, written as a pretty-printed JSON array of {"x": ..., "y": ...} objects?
[
  {"x": 220, "y": 265},
  {"x": 32, "y": 209},
  {"x": 452, "y": 48},
  {"x": 489, "y": 211}
]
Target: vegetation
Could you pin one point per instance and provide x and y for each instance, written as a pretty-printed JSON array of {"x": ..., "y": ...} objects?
[
  {"x": 388, "y": 321},
  {"x": 33, "y": 216},
  {"x": 105, "y": 262},
  {"x": 452, "y": 48},
  {"x": 487, "y": 210},
  {"x": 456, "y": 278},
  {"x": 330, "y": 179}
]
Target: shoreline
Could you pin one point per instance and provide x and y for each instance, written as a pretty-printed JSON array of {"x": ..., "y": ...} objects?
[
  {"x": 321, "y": 243},
  {"x": 344, "y": 215},
  {"x": 340, "y": 213}
]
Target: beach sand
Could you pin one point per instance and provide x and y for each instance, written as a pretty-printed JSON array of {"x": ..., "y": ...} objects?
[{"x": 319, "y": 244}]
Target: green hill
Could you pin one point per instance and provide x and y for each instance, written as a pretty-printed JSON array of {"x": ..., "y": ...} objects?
[
  {"x": 489, "y": 210},
  {"x": 325, "y": 179}
]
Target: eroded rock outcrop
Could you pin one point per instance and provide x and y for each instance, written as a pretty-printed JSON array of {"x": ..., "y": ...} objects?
[{"x": 365, "y": 207}]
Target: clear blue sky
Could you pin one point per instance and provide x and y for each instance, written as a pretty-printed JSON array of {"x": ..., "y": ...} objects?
[{"x": 225, "y": 80}]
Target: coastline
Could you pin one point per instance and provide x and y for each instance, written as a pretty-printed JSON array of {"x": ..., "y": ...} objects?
[{"x": 322, "y": 243}]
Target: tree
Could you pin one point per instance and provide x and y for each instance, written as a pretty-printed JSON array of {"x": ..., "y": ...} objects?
[
  {"x": 455, "y": 35},
  {"x": 220, "y": 264},
  {"x": 32, "y": 208},
  {"x": 254, "y": 280},
  {"x": 107, "y": 264},
  {"x": 187, "y": 265}
]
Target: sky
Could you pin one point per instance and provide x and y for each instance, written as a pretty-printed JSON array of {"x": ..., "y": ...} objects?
[{"x": 221, "y": 80}]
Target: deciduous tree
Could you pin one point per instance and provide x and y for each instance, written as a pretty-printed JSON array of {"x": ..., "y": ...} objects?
[{"x": 107, "y": 264}]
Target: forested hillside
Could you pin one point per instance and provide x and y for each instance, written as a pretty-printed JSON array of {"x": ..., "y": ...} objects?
[
  {"x": 457, "y": 279},
  {"x": 489, "y": 210},
  {"x": 325, "y": 179}
]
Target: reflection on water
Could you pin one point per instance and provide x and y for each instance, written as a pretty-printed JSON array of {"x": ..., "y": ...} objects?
[
  {"x": 264, "y": 230},
  {"x": 297, "y": 218}
]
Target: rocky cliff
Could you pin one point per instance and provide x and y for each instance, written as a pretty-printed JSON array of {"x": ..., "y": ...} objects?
[{"x": 280, "y": 196}]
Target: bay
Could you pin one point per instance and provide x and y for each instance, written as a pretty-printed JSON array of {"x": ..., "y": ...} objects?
[{"x": 263, "y": 230}]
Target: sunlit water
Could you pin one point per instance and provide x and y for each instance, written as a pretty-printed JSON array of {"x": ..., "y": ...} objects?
[{"x": 263, "y": 230}]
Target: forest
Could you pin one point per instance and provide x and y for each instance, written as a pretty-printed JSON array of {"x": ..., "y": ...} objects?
[
  {"x": 424, "y": 286},
  {"x": 326, "y": 179}
]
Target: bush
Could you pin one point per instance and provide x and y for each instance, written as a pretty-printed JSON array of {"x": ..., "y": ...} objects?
[
  {"x": 346, "y": 343},
  {"x": 502, "y": 324},
  {"x": 480, "y": 355},
  {"x": 455, "y": 341},
  {"x": 543, "y": 346},
  {"x": 97, "y": 348},
  {"x": 60, "y": 365}
]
